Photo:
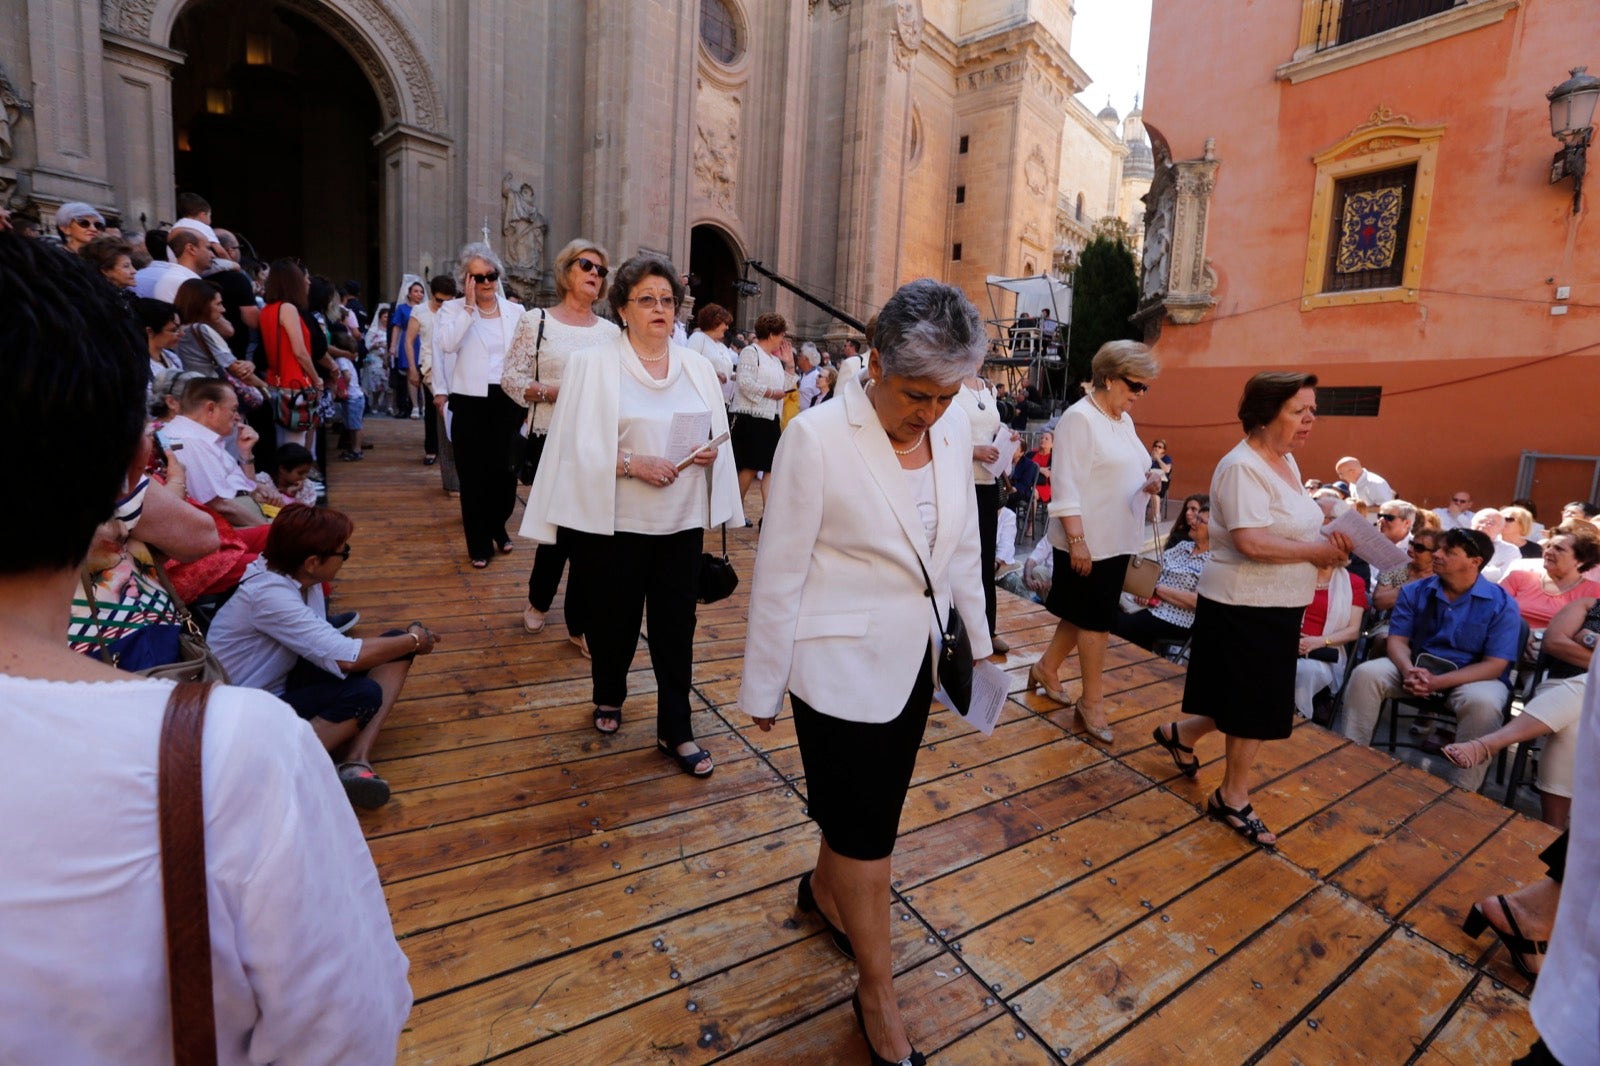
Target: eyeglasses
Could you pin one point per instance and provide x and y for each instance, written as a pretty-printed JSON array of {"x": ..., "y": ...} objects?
[
  {"x": 1138, "y": 388},
  {"x": 1461, "y": 499},
  {"x": 650, "y": 303},
  {"x": 1421, "y": 549},
  {"x": 486, "y": 279},
  {"x": 1390, "y": 518},
  {"x": 89, "y": 223},
  {"x": 589, "y": 266}
]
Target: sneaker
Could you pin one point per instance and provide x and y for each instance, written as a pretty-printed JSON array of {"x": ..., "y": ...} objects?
[
  {"x": 415, "y": 414},
  {"x": 1002, "y": 569},
  {"x": 364, "y": 788},
  {"x": 344, "y": 621}
]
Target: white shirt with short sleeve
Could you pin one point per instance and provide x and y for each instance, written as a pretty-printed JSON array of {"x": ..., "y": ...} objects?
[
  {"x": 1247, "y": 494},
  {"x": 271, "y": 623},
  {"x": 145, "y": 278},
  {"x": 1371, "y": 489},
  {"x": 305, "y": 967},
  {"x": 212, "y": 472},
  {"x": 170, "y": 281},
  {"x": 984, "y": 415}
]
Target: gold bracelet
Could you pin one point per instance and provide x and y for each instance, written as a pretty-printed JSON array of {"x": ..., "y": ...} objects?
[
  {"x": 1079, "y": 539},
  {"x": 416, "y": 641}
]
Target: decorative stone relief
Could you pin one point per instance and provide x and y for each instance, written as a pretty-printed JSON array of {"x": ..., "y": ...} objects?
[
  {"x": 524, "y": 229},
  {"x": 1035, "y": 171},
  {"x": 907, "y": 31},
  {"x": 12, "y": 108},
  {"x": 1381, "y": 116},
  {"x": 1178, "y": 279},
  {"x": 716, "y": 161}
]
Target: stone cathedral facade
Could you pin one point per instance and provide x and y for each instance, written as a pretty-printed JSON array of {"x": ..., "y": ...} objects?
[{"x": 846, "y": 144}]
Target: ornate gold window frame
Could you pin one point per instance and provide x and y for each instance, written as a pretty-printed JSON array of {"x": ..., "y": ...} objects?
[{"x": 1385, "y": 141}]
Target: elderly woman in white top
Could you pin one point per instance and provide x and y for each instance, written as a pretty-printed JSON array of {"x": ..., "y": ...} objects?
[
  {"x": 1098, "y": 469},
  {"x": 539, "y": 352},
  {"x": 709, "y": 339},
  {"x": 1266, "y": 548},
  {"x": 636, "y": 509},
  {"x": 766, "y": 374},
  {"x": 977, "y": 400},
  {"x": 841, "y": 617},
  {"x": 470, "y": 338}
]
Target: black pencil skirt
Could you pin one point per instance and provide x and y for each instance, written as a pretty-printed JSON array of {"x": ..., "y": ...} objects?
[
  {"x": 857, "y": 773},
  {"x": 1241, "y": 668},
  {"x": 1091, "y": 602}
]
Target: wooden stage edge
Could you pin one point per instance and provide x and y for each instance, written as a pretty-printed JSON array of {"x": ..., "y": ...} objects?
[{"x": 571, "y": 898}]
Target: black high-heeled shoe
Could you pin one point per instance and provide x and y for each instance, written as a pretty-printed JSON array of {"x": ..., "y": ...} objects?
[
  {"x": 808, "y": 904},
  {"x": 916, "y": 1058},
  {"x": 1517, "y": 944}
]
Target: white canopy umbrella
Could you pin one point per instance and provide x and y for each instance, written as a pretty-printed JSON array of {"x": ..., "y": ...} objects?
[{"x": 1036, "y": 293}]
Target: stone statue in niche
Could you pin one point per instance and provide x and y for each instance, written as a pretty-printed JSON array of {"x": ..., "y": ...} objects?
[
  {"x": 12, "y": 107},
  {"x": 1162, "y": 202},
  {"x": 524, "y": 228}
]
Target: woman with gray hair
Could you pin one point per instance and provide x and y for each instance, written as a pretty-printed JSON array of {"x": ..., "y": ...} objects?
[
  {"x": 471, "y": 335},
  {"x": 1096, "y": 525},
  {"x": 841, "y": 616},
  {"x": 545, "y": 339}
]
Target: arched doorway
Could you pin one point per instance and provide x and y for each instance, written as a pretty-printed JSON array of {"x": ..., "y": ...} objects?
[
  {"x": 714, "y": 268},
  {"x": 273, "y": 123}
]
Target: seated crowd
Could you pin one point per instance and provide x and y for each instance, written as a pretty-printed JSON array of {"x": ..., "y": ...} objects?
[{"x": 221, "y": 524}]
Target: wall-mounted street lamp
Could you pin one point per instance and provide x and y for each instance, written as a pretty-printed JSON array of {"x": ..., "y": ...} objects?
[{"x": 1572, "y": 106}]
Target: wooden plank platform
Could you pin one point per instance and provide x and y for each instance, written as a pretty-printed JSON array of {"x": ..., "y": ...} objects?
[{"x": 566, "y": 897}]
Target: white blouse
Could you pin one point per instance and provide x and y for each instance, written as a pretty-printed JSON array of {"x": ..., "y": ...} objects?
[
  {"x": 1097, "y": 466},
  {"x": 1246, "y": 493},
  {"x": 645, "y": 408},
  {"x": 984, "y": 414},
  {"x": 758, "y": 373},
  {"x": 529, "y": 362},
  {"x": 920, "y": 481}
]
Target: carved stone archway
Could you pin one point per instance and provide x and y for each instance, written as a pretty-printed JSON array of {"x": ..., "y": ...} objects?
[{"x": 413, "y": 144}]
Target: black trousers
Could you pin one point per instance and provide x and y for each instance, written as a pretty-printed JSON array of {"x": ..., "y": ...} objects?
[
  {"x": 482, "y": 429},
  {"x": 1144, "y": 629},
  {"x": 430, "y": 424},
  {"x": 988, "y": 532},
  {"x": 623, "y": 577}
]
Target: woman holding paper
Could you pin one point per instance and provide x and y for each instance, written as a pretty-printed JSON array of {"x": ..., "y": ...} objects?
[
  {"x": 610, "y": 476},
  {"x": 1266, "y": 548},
  {"x": 873, "y": 511},
  {"x": 977, "y": 399},
  {"x": 1097, "y": 523}
]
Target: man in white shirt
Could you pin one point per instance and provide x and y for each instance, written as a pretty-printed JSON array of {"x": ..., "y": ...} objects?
[
  {"x": 850, "y": 361},
  {"x": 193, "y": 258},
  {"x": 194, "y": 213},
  {"x": 1492, "y": 523},
  {"x": 209, "y": 412},
  {"x": 807, "y": 361},
  {"x": 1459, "y": 514},
  {"x": 1365, "y": 486},
  {"x": 145, "y": 278}
]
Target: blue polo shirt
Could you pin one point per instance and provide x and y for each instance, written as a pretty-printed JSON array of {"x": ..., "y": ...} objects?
[{"x": 1481, "y": 624}]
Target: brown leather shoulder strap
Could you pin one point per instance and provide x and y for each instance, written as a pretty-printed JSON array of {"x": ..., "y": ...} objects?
[{"x": 183, "y": 876}]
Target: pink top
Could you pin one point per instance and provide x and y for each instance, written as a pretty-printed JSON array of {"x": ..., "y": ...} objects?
[{"x": 1537, "y": 604}]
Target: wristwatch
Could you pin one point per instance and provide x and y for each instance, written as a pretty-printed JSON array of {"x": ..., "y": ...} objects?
[{"x": 1588, "y": 638}]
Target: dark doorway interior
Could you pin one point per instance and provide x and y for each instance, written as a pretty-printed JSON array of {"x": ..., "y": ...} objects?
[
  {"x": 273, "y": 123},
  {"x": 714, "y": 266}
]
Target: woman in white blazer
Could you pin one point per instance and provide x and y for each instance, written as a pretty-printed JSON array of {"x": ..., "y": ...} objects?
[
  {"x": 471, "y": 336},
  {"x": 840, "y": 618},
  {"x": 636, "y": 522}
]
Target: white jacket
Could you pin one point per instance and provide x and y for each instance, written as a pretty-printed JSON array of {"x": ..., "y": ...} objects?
[
  {"x": 839, "y": 612},
  {"x": 576, "y": 485},
  {"x": 460, "y": 362}
]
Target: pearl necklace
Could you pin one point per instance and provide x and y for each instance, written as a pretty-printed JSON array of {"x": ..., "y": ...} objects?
[
  {"x": 911, "y": 449},
  {"x": 650, "y": 358},
  {"x": 1102, "y": 410}
]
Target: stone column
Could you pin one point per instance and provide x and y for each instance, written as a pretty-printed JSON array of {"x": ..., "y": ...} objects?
[
  {"x": 69, "y": 121},
  {"x": 138, "y": 118},
  {"x": 414, "y": 168}
]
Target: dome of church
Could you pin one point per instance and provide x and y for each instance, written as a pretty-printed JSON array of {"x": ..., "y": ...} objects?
[
  {"x": 1141, "y": 161},
  {"x": 1109, "y": 116}
]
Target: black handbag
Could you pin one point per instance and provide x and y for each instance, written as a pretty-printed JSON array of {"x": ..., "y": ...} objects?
[
  {"x": 953, "y": 670},
  {"x": 718, "y": 578}
]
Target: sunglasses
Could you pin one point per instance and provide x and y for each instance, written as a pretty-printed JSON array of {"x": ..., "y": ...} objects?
[
  {"x": 343, "y": 553},
  {"x": 1421, "y": 549},
  {"x": 486, "y": 279},
  {"x": 1389, "y": 518},
  {"x": 589, "y": 266},
  {"x": 1138, "y": 388},
  {"x": 89, "y": 223},
  {"x": 1460, "y": 499},
  {"x": 650, "y": 303}
]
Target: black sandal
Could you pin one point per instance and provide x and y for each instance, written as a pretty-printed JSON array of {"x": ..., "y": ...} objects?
[
  {"x": 686, "y": 763},
  {"x": 613, "y": 715},
  {"x": 1250, "y": 827},
  {"x": 1517, "y": 944},
  {"x": 1191, "y": 769}
]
